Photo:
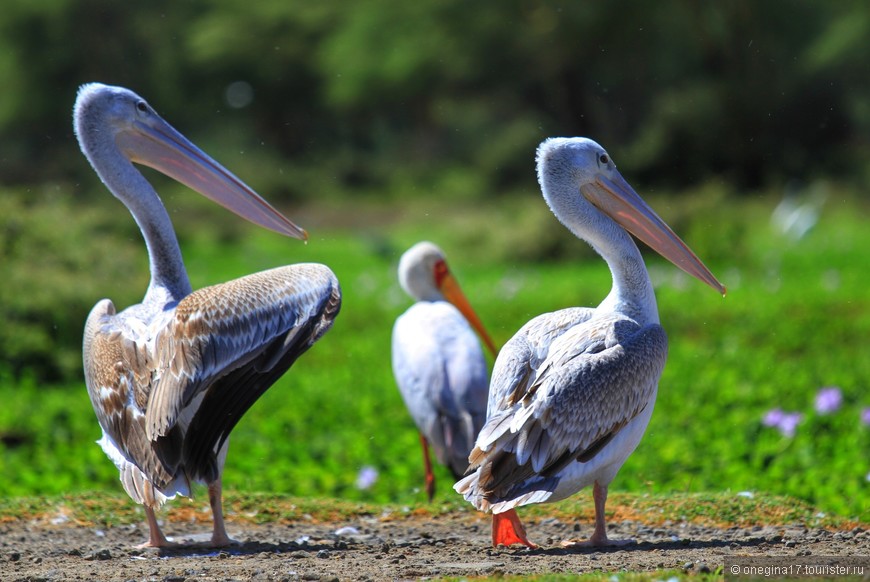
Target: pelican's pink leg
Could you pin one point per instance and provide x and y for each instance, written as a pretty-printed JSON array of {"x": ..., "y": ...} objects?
[
  {"x": 219, "y": 537},
  {"x": 156, "y": 539},
  {"x": 599, "y": 536}
]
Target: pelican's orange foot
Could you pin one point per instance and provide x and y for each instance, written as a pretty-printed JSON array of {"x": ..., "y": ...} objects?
[{"x": 507, "y": 530}]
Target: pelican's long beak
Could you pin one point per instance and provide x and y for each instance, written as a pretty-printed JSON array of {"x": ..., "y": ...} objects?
[
  {"x": 158, "y": 145},
  {"x": 448, "y": 285},
  {"x": 616, "y": 198}
]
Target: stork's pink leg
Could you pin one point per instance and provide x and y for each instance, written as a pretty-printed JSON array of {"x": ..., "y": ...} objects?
[{"x": 427, "y": 463}]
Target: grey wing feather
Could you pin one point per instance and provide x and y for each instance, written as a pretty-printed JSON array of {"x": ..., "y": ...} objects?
[
  {"x": 561, "y": 393},
  {"x": 523, "y": 358}
]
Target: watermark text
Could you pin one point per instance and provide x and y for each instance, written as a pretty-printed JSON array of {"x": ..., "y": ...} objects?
[{"x": 792, "y": 567}]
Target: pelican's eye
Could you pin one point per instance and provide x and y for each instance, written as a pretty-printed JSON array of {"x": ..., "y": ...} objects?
[
  {"x": 141, "y": 106},
  {"x": 603, "y": 159}
]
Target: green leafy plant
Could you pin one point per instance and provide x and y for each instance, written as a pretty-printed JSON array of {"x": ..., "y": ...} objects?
[{"x": 795, "y": 320}]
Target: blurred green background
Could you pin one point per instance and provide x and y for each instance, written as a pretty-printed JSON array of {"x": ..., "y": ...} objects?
[
  {"x": 393, "y": 98},
  {"x": 325, "y": 104},
  {"x": 378, "y": 123}
]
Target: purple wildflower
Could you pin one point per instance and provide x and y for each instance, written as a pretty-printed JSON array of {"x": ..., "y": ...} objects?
[
  {"x": 366, "y": 477},
  {"x": 785, "y": 422},
  {"x": 789, "y": 423},
  {"x": 828, "y": 400},
  {"x": 773, "y": 418},
  {"x": 865, "y": 416}
]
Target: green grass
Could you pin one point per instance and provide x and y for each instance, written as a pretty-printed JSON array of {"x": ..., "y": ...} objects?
[
  {"x": 709, "y": 509},
  {"x": 796, "y": 318}
]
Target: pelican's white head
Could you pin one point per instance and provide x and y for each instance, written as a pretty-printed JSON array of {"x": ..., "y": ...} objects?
[
  {"x": 587, "y": 193},
  {"x": 101, "y": 107},
  {"x": 579, "y": 158},
  {"x": 114, "y": 124}
]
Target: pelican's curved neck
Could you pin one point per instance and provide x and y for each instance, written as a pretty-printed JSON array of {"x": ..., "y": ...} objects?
[
  {"x": 169, "y": 281},
  {"x": 632, "y": 292}
]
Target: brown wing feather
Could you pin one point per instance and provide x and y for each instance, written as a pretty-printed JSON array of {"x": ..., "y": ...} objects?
[
  {"x": 115, "y": 378},
  {"x": 230, "y": 396},
  {"x": 237, "y": 338},
  {"x": 224, "y": 327}
]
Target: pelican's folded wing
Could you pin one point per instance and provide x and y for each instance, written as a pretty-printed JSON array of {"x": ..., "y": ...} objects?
[
  {"x": 230, "y": 342},
  {"x": 593, "y": 379}
]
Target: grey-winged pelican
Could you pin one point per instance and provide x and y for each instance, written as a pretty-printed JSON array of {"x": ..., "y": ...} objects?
[{"x": 572, "y": 392}]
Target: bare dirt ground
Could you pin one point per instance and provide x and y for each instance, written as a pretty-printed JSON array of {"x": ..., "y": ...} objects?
[{"x": 391, "y": 548}]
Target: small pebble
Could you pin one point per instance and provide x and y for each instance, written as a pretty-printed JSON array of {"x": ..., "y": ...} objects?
[{"x": 103, "y": 554}]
